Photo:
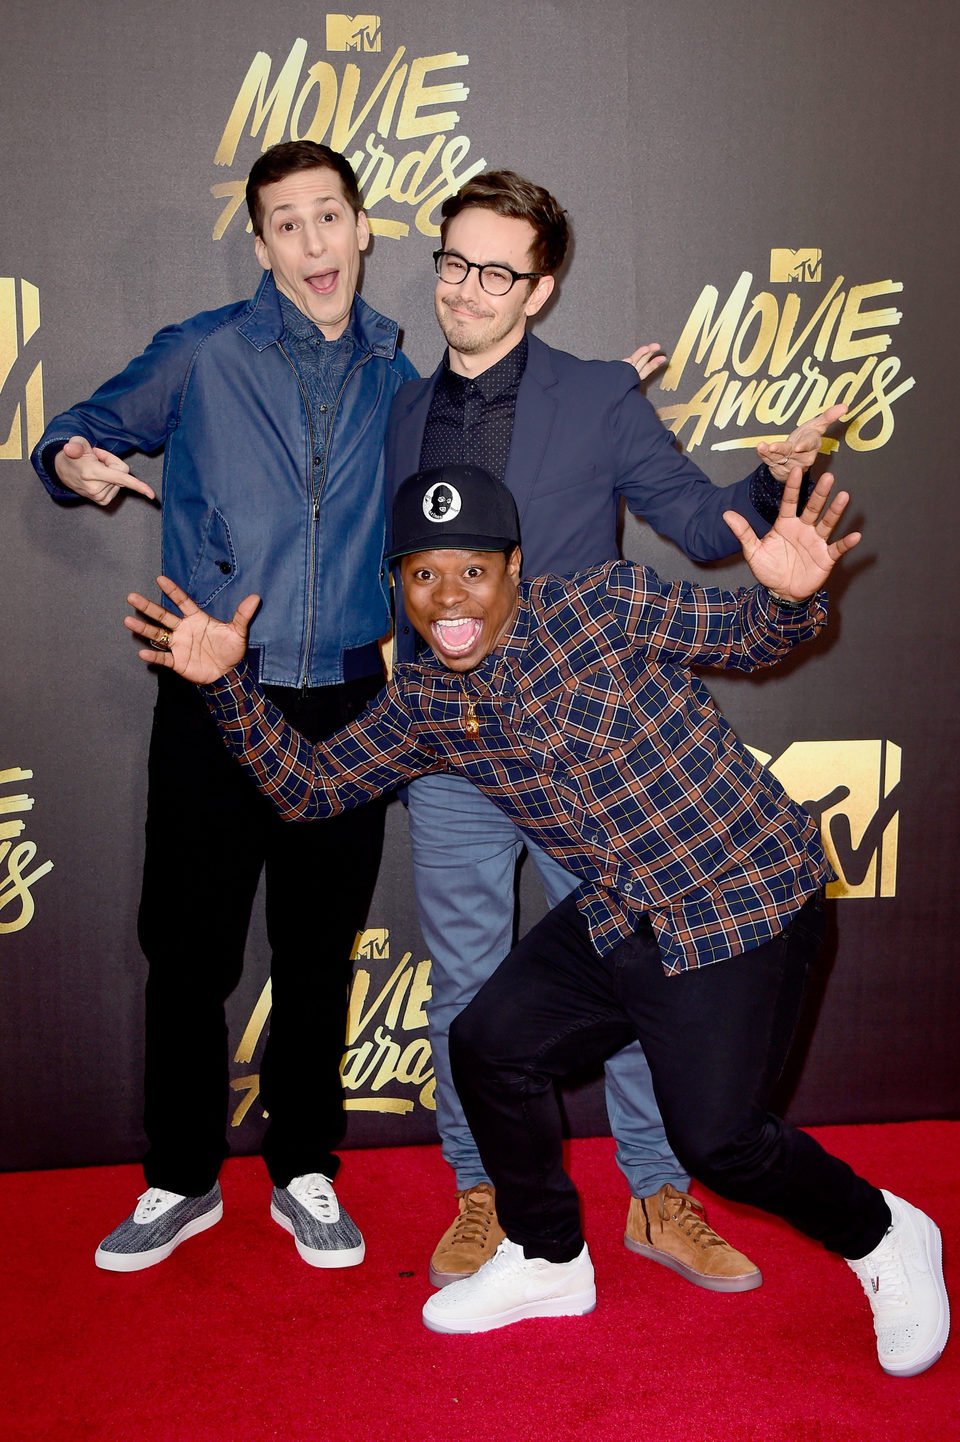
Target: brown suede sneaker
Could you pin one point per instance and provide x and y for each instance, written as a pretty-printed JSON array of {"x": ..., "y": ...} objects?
[
  {"x": 670, "y": 1228},
  {"x": 471, "y": 1240}
]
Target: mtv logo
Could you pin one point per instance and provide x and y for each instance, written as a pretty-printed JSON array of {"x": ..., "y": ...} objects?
[
  {"x": 21, "y": 382},
  {"x": 850, "y": 789},
  {"x": 353, "y": 32},
  {"x": 795, "y": 265},
  {"x": 373, "y": 944}
]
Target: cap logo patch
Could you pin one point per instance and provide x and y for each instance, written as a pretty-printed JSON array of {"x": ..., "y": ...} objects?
[{"x": 442, "y": 502}]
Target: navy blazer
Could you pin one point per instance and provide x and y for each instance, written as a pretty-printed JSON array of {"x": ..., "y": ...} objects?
[{"x": 583, "y": 436}]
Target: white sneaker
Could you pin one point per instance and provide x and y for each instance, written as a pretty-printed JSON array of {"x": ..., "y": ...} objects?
[
  {"x": 510, "y": 1287},
  {"x": 903, "y": 1280}
]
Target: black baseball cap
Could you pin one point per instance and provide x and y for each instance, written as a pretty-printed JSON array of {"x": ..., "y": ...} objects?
[{"x": 461, "y": 508}]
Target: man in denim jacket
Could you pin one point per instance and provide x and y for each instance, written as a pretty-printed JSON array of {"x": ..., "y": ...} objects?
[{"x": 271, "y": 414}]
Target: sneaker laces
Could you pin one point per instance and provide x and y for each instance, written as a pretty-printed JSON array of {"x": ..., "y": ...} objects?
[
  {"x": 475, "y": 1219},
  {"x": 883, "y": 1277},
  {"x": 509, "y": 1257},
  {"x": 155, "y": 1200},
  {"x": 315, "y": 1192},
  {"x": 688, "y": 1214}
]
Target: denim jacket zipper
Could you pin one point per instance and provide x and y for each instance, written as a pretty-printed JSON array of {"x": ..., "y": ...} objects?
[{"x": 316, "y": 494}]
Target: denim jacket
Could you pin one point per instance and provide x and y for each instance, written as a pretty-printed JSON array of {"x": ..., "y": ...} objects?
[{"x": 242, "y": 510}]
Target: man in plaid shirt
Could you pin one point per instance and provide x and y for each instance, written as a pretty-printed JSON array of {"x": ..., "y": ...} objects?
[{"x": 572, "y": 704}]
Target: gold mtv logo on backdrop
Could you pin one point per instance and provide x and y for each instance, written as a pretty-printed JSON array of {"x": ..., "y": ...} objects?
[
  {"x": 851, "y": 790},
  {"x": 794, "y": 265},
  {"x": 395, "y": 121},
  {"x": 762, "y": 362},
  {"x": 353, "y": 32},
  {"x": 21, "y": 379},
  {"x": 385, "y": 1067}
]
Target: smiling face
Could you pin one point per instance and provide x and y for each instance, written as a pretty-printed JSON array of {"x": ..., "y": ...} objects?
[
  {"x": 481, "y": 329},
  {"x": 461, "y": 602},
  {"x": 312, "y": 242}
]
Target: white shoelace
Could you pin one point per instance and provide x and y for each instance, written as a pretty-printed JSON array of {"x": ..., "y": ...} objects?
[
  {"x": 315, "y": 1193},
  {"x": 154, "y": 1202}
]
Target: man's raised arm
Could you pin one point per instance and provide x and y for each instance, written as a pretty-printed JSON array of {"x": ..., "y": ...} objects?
[{"x": 374, "y": 754}]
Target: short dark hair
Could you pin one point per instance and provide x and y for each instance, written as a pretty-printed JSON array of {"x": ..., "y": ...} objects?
[
  {"x": 509, "y": 194},
  {"x": 286, "y": 159}
]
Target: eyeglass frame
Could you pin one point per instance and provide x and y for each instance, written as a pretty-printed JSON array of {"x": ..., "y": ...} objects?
[{"x": 480, "y": 268}]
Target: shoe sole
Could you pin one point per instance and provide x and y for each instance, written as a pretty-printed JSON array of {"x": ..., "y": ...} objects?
[
  {"x": 340, "y": 1257},
  {"x": 576, "y": 1305},
  {"x": 443, "y": 1279},
  {"x": 934, "y": 1352},
  {"x": 139, "y": 1261},
  {"x": 746, "y": 1283}
]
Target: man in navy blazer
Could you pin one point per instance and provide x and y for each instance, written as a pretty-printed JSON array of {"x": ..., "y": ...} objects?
[{"x": 569, "y": 438}]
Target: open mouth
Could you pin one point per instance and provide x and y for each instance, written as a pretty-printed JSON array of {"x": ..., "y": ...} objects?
[
  {"x": 324, "y": 282},
  {"x": 456, "y": 638}
]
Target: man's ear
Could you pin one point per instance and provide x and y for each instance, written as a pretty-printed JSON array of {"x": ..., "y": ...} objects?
[
  {"x": 261, "y": 252},
  {"x": 540, "y": 294},
  {"x": 363, "y": 230},
  {"x": 515, "y": 563}
]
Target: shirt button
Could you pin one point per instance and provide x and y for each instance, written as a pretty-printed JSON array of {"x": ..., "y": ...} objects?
[
  {"x": 627, "y": 888},
  {"x": 225, "y": 567},
  {"x": 322, "y": 409}
]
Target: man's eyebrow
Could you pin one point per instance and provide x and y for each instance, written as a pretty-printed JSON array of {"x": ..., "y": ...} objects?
[
  {"x": 304, "y": 205},
  {"x": 503, "y": 264}
]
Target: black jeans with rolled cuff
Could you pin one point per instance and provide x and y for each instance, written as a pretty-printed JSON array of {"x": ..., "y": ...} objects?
[{"x": 716, "y": 1039}]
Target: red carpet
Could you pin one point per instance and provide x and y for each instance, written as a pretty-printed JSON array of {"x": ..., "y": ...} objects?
[{"x": 234, "y": 1339}]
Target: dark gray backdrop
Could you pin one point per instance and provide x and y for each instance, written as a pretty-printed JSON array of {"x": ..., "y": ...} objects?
[{"x": 687, "y": 141}]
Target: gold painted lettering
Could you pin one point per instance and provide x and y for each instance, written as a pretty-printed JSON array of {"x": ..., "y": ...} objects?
[
  {"x": 878, "y": 403},
  {"x": 784, "y": 346},
  {"x": 854, "y": 319},
  {"x": 324, "y": 78},
  {"x": 273, "y": 108},
  {"x": 706, "y": 333},
  {"x": 764, "y": 309},
  {"x": 417, "y": 96}
]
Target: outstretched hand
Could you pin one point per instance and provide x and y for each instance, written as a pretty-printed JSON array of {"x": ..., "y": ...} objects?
[
  {"x": 646, "y": 359},
  {"x": 193, "y": 644},
  {"x": 796, "y": 555},
  {"x": 801, "y": 447}
]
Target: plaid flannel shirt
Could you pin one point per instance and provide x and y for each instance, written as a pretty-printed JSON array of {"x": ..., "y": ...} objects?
[{"x": 595, "y": 737}]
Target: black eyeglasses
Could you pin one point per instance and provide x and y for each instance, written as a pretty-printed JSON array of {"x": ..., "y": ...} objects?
[{"x": 494, "y": 279}]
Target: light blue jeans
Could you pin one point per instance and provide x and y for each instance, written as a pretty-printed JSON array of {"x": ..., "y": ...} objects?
[{"x": 465, "y": 853}]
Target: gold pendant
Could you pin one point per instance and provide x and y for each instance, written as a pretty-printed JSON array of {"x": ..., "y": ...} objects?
[{"x": 471, "y": 725}]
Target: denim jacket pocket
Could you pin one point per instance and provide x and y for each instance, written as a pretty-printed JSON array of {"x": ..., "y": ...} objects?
[{"x": 216, "y": 565}]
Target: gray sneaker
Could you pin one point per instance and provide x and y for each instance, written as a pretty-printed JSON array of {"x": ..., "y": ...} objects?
[
  {"x": 324, "y": 1235},
  {"x": 160, "y": 1221}
]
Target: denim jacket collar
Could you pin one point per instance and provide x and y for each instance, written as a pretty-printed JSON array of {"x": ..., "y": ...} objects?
[{"x": 263, "y": 325}]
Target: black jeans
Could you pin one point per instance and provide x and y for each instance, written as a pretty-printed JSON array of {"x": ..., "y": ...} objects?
[
  {"x": 209, "y": 834},
  {"x": 716, "y": 1039}
]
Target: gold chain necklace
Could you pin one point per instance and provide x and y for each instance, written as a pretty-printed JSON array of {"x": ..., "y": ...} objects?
[{"x": 471, "y": 724}]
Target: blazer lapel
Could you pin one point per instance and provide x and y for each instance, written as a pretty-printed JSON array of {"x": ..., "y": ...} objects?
[
  {"x": 532, "y": 423},
  {"x": 409, "y": 428}
]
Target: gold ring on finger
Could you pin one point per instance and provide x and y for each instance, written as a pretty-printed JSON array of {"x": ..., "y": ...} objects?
[{"x": 161, "y": 642}]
